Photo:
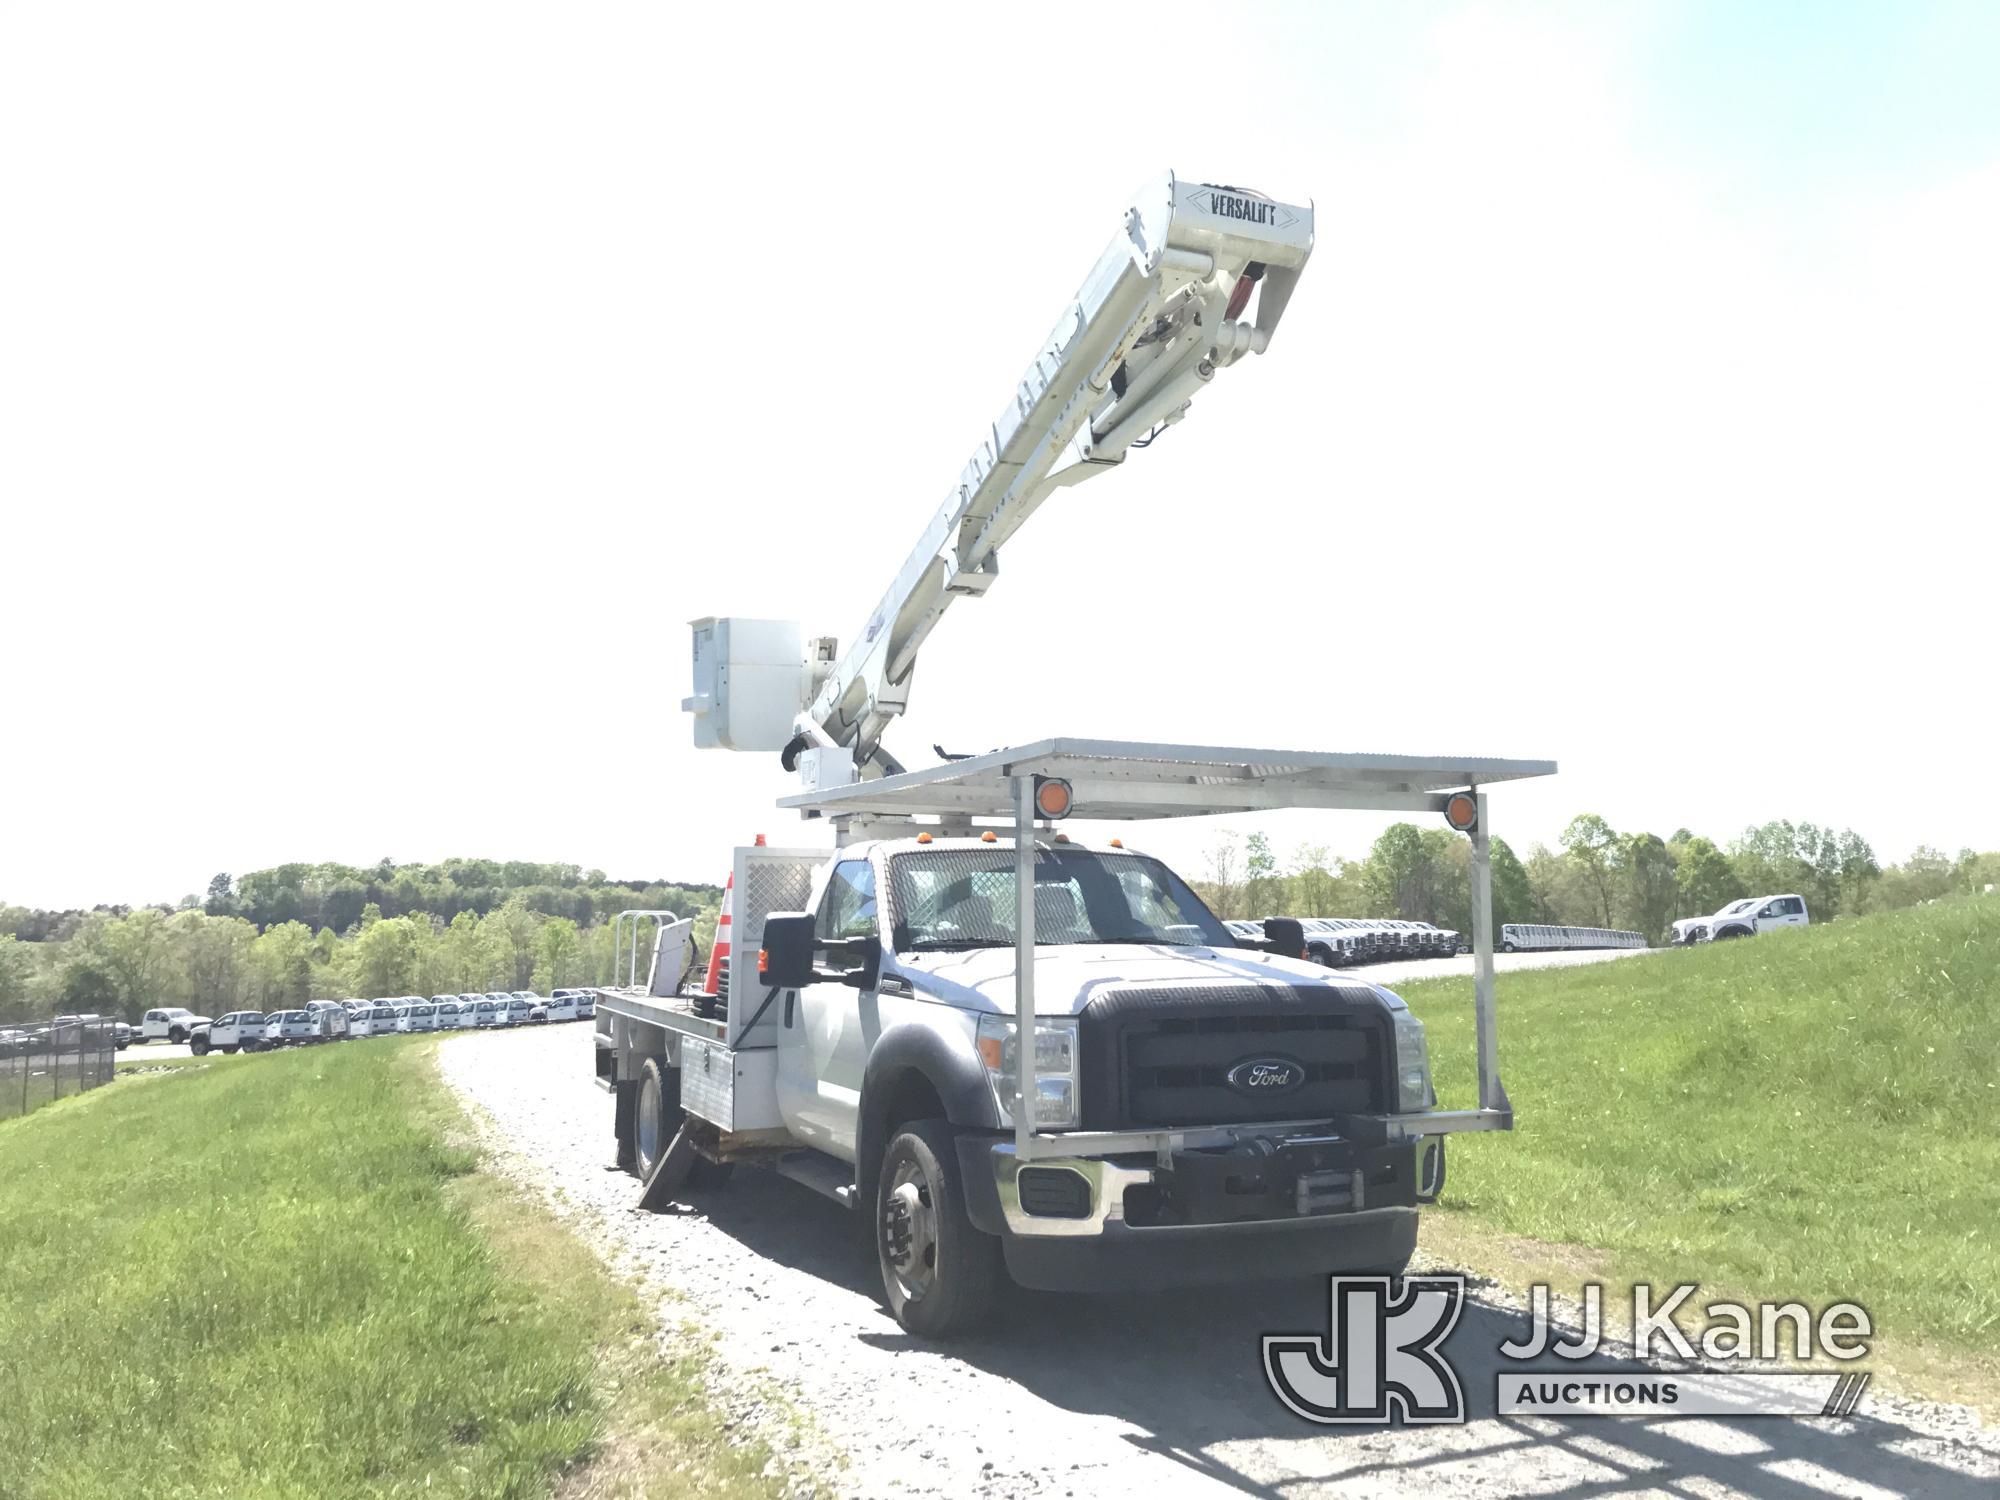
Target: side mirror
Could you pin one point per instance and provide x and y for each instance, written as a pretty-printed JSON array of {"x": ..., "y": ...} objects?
[
  {"x": 785, "y": 961},
  {"x": 1285, "y": 936},
  {"x": 869, "y": 975}
]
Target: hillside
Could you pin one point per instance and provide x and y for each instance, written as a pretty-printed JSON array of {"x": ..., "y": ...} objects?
[{"x": 1808, "y": 1114}]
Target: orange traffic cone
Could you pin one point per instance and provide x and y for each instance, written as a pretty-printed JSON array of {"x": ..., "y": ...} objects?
[{"x": 719, "y": 949}]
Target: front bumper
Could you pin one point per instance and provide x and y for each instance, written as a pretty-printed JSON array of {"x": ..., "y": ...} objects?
[{"x": 1276, "y": 1205}]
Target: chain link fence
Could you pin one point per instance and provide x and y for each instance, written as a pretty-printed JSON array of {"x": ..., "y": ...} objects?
[{"x": 45, "y": 1060}]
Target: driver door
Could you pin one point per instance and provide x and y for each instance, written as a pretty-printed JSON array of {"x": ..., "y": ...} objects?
[{"x": 821, "y": 1052}]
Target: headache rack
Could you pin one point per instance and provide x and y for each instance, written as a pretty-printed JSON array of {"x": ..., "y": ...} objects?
[{"x": 1117, "y": 780}]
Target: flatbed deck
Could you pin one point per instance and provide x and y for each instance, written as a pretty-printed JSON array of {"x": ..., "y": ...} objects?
[{"x": 675, "y": 1012}]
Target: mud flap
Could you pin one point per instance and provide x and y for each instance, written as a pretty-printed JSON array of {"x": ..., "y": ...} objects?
[{"x": 669, "y": 1172}]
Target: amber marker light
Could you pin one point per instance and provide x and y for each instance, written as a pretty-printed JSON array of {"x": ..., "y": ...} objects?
[
  {"x": 1461, "y": 810},
  {"x": 1052, "y": 797}
]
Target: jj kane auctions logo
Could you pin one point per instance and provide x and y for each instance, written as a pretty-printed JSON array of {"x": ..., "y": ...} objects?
[{"x": 1382, "y": 1358}]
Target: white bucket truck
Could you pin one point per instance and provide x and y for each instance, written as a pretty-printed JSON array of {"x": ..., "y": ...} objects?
[{"x": 1206, "y": 1105}]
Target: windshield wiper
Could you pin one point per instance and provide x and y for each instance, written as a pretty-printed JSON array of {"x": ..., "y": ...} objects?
[{"x": 959, "y": 945}]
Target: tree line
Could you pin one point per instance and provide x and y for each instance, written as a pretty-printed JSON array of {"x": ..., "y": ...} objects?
[
  {"x": 269, "y": 940},
  {"x": 277, "y": 938},
  {"x": 335, "y": 895},
  {"x": 1595, "y": 876}
]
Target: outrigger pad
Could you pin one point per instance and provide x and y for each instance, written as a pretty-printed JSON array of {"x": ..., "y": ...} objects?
[{"x": 669, "y": 1172}]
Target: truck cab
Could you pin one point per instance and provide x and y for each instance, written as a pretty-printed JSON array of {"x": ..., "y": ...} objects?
[{"x": 1152, "y": 1014}]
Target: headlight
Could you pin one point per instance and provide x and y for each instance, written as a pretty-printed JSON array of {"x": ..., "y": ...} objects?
[
  {"x": 1413, "y": 1066},
  {"x": 1055, "y": 1068}
]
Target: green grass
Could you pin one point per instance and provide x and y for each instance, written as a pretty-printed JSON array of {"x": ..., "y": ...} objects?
[
  {"x": 1807, "y": 1114},
  {"x": 277, "y": 1276}
]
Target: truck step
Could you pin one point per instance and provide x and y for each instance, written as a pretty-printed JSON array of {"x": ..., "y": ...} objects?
[{"x": 823, "y": 1174}]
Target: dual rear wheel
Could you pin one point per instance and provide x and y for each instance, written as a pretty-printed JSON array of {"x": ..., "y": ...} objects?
[{"x": 657, "y": 1119}]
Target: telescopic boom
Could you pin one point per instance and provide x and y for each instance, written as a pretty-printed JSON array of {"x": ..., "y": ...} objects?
[{"x": 1197, "y": 277}]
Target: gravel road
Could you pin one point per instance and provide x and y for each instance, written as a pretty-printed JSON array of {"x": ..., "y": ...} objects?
[{"x": 1112, "y": 1396}]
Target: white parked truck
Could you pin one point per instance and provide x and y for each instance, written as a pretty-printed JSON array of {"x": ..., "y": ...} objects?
[
  {"x": 1746, "y": 918},
  {"x": 240, "y": 1030},
  {"x": 171, "y": 1023},
  {"x": 1206, "y": 1104}
]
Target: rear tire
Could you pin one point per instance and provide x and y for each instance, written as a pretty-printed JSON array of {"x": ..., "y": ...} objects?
[
  {"x": 664, "y": 1101},
  {"x": 940, "y": 1275},
  {"x": 652, "y": 1127}
]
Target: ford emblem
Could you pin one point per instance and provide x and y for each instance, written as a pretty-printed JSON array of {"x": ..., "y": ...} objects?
[{"x": 1266, "y": 1075}]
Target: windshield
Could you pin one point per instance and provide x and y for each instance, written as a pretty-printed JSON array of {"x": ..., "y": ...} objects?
[{"x": 964, "y": 898}]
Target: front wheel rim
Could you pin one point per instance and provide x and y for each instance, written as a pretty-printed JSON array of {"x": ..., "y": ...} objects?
[{"x": 909, "y": 1231}]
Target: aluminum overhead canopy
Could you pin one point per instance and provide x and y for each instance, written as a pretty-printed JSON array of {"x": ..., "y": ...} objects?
[{"x": 1122, "y": 779}]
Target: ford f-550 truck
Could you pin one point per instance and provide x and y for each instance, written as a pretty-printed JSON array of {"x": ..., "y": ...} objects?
[
  {"x": 1200, "y": 1104},
  {"x": 1207, "y": 1107}
]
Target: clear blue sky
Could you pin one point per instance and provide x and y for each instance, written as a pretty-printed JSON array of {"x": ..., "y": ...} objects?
[{"x": 370, "y": 369}]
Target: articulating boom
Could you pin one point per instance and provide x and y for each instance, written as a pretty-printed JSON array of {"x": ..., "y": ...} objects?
[{"x": 1167, "y": 306}]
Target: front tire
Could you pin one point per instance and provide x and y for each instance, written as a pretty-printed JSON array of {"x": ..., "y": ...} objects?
[
  {"x": 176, "y": 1035},
  {"x": 940, "y": 1275},
  {"x": 199, "y": 1046}
]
